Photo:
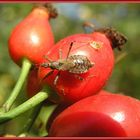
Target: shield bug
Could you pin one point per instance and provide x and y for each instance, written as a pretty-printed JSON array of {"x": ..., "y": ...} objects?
[{"x": 76, "y": 64}]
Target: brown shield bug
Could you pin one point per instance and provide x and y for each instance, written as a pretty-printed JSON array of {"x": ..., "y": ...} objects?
[{"x": 76, "y": 64}]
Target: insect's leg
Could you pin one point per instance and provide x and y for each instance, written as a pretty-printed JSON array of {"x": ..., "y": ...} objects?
[
  {"x": 48, "y": 74},
  {"x": 46, "y": 64},
  {"x": 79, "y": 77},
  {"x": 60, "y": 53},
  {"x": 71, "y": 44},
  {"x": 56, "y": 78},
  {"x": 90, "y": 76},
  {"x": 46, "y": 57}
]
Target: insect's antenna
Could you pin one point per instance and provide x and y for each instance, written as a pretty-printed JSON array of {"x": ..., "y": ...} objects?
[
  {"x": 46, "y": 64},
  {"x": 71, "y": 44},
  {"x": 46, "y": 57}
]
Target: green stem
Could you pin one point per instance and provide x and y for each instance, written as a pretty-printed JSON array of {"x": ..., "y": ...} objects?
[
  {"x": 26, "y": 65},
  {"x": 32, "y": 102},
  {"x": 31, "y": 119}
]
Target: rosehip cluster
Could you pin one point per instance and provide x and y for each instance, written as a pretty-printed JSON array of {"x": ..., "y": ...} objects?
[{"x": 76, "y": 68}]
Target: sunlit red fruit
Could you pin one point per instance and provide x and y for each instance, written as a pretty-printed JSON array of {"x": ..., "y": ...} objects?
[
  {"x": 97, "y": 48},
  {"x": 60, "y": 107},
  {"x": 32, "y": 37},
  {"x": 33, "y": 86},
  {"x": 105, "y": 114}
]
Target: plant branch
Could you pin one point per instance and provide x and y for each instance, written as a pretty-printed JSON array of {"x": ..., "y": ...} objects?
[
  {"x": 32, "y": 102},
  {"x": 24, "y": 72}
]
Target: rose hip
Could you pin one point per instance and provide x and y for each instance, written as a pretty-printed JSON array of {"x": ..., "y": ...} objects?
[
  {"x": 33, "y": 86},
  {"x": 32, "y": 37},
  {"x": 72, "y": 86},
  {"x": 104, "y": 114}
]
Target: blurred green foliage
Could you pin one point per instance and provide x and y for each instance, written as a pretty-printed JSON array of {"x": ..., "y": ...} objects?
[{"x": 124, "y": 17}]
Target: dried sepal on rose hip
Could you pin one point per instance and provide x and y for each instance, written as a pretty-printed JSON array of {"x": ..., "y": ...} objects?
[
  {"x": 116, "y": 38},
  {"x": 78, "y": 66}
]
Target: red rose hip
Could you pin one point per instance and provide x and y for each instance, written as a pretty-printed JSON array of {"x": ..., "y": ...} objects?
[
  {"x": 93, "y": 60},
  {"x": 32, "y": 37},
  {"x": 33, "y": 86},
  {"x": 105, "y": 114},
  {"x": 28, "y": 43}
]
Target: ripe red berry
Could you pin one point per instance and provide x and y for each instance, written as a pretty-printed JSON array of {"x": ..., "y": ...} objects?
[
  {"x": 100, "y": 115},
  {"x": 71, "y": 84},
  {"x": 33, "y": 86},
  {"x": 32, "y": 37},
  {"x": 55, "y": 113}
]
